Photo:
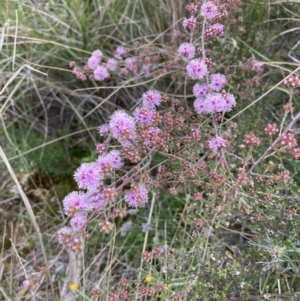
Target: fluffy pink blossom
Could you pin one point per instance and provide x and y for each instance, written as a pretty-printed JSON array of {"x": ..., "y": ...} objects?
[
  {"x": 217, "y": 81},
  {"x": 120, "y": 51},
  {"x": 93, "y": 62},
  {"x": 143, "y": 115},
  {"x": 214, "y": 102},
  {"x": 217, "y": 143},
  {"x": 104, "y": 165},
  {"x": 200, "y": 106},
  {"x": 87, "y": 176},
  {"x": 114, "y": 159},
  {"x": 146, "y": 69},
  {"x": 100, "y": 73},
  {"x": 196, "y": 69},
  {"x": 103, "y": 130},
  {"x": 186, "y": 51},
  {"x": 112, "y": 64},
  {"x": 98, "y": 53},
  {"x": 200, "y": 90},
  {"x": 152, "y": 132},
  {"x": 75, "y": 202},
  {"x": 122, "y": 127},
  {"x": 78, "y": 222},
  {"x": 209, "y": 10},
  {"x": 131, "y": 64},
  {"x": 26, "y": 283},
  {"x": 96, "y": 198},
  {"x": 229, "y": 102},
  {"x": 256, "y": 66},
  {"x": 137, "y": 196},
  {"x": 218, "y": 29},
  {"x": 64, "y": 235},
  {"x": 151, "y": 99}
]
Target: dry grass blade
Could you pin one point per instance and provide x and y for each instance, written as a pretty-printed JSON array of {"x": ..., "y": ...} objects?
[{"x": 29, "y": 210}]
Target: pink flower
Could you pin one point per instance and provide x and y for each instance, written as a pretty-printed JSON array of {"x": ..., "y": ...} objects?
[
  {"x": 217, "y": 81},
  {"x": 103, "y": 130},
  {"x": 175, "y": 34},
  {"x": 96, "y": 199},
  {"x": 214, "y": 102},
  {"x": 296, "y": 153},
  {"x": 146, "y": 69},
  {"x": 217, "y": 143},
  {"x": 143, "y": 115},
  {"x": 131, "y": 64},
  {"x": 112, "y": 64},
  {"x": 251, "y": 139},
  {"x": 271, "y": 129},
  {"x": 209, "y": 10},
  {"x": 151, "y": 99},
  {"x": 229, "y": 102},
  {"x": 200, "y": 90},
  {"x": 257, "y": 66},
  {"x": 75, "y": 202},
  {"x": 186, "y": 51},
  {"x": 26, "y": 283},
  {"x": 119, "y": 52},
  {"x": 196, "y": 69},
  {"x": 190, "y": 23},
  {"x": 218, "y": 29},
  {"x": 137, "y": 196},
  {"x": 87, "y": 176},
  {"x": 201, "y": 106},
  {"x": 100, "y": 73},
  {"x": 114, "y": 159},
  {"x": 103, "y": 165},
  {"x": 122, "y": 127},
  {"x": 98, "y": 53},
  {"x": 153, "y": 133},
  {"x": 93, "y": 62},
  {"x": 64, "y": 235},
  {"x": 78, "y": 222}
]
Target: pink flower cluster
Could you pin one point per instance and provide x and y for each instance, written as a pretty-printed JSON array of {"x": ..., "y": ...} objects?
[
  {"x": 95, "y": 59},
  {"x": 137, "y": 196},
  {"x": 119, "y": 52},
  {"x": 289, "y": 140},
  {"x": 122, "y": 127},
  {"x": 90, "y": 177},
  {"x": 271, "y": 129},
  {"x": 293, "y": 81},
  {"x": 217, "y": 143},
  {"x": 251, "y": 139},
  {"x": 215, "y": 30},
  {"x": 209, "y": 10},
  {"x": 196, "y": 69},
  {"x": 151, "y": 99},
  {"x": 186, "y": 51},
  {"x": 190, "y": 23},
  {"x": 214, "y": 102}
]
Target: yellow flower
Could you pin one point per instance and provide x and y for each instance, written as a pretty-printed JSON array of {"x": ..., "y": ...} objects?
[
  {"x": 149, "y": 278},
  {"x": 167, "y": 287},
  {"x": 74, "y": 287}
]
